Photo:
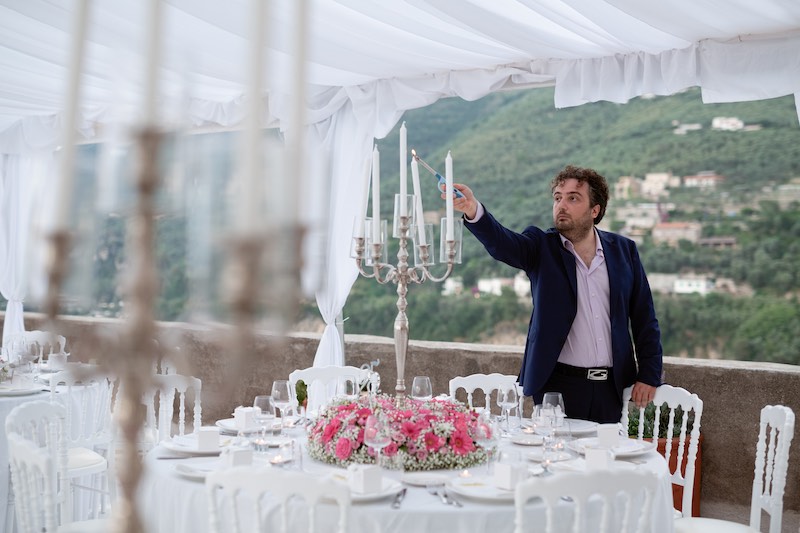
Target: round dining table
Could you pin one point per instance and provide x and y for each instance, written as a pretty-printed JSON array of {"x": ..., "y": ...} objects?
[{"x": 172, "y": 496}]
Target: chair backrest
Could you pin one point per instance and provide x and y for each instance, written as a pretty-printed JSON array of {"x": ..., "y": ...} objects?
[
  {"x": 318, "y": 378},
  {"x": 772, "y": 461},
  {"x": 487, "y": 383},
  {"x": 33, "y": 475},
  {"x": 88, "y": 422},
  {"x": 162, "y": 394},
  {"x": 690, "y": 404},
  {"x": 34, "y": 343},
  {"x": 626, "y": 497},
  {"x": 38, "y": 455},
  {"x": 266, "y": 488}
]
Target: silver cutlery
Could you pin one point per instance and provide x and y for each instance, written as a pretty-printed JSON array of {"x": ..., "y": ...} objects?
[
  {"x": 451, "y": 500},
  {"x": 398, "y": 498},
  {"x": 170, "y": 457}
]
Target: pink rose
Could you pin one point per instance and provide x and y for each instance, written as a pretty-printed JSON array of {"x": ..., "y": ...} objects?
[
  {"x": 390, "y": 450},
  {"x": 343, "y": 448},
  {"x": 330, "y": 430}
]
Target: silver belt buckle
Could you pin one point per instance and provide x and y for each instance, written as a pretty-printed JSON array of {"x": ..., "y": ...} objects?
[{"x": 597, "y": 374}]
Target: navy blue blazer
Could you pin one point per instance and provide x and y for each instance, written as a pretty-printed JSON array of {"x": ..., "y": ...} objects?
[{"x": 551, "y": 270}]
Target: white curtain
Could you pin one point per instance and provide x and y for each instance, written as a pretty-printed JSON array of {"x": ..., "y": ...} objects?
[{"x": 21, "y": 183}]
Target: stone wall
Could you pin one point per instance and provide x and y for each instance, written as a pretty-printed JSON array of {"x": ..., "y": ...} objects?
[{"x": 733, "y": 392}]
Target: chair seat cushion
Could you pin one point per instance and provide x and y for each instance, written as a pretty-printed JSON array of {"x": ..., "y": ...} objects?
[
  {"x": 710, "y": 525},
  {"x": 83, "y": 461},
  {"x": 87, "y": 526}
]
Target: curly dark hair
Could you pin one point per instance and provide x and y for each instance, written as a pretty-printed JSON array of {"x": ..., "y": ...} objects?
[{"x": 598, "y": 187}]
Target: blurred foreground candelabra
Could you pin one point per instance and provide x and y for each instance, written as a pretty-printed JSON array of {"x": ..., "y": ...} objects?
[{"x": 370, "y": 248}]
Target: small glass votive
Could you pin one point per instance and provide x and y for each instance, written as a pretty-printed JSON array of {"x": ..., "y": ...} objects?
[
  {"x": 425, "y": 237},
  {"x": 368, "y": 248},
  {"x": 458, "y": 231},
  {"x": 410, "y": 200}
]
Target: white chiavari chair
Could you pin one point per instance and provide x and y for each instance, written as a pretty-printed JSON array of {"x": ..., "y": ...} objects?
[
  {"x": 266, "y": 489},
  {"x": 776, "y": 430},
  {"x": 487, "y": 384},
  {"x": 321, "y": 381},
  {"x": 86, "y": 395},
  {"x": 599, "y": 501},
  {"x": 692, "y": 407},
  {"x": 38, "y": 461}
]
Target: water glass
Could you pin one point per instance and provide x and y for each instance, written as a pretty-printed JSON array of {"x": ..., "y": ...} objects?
[{"x": 421, "y": 388}]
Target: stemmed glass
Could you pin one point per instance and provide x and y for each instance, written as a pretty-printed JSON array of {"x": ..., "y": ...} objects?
[
  {"x": 553, "y": 409},
  {"x": 264, "y": 416},
  {"x": 485, "y": 433},
  {"x": 421, "y": 388},
  {"x": 377, "y": 435},
  {"x": 507, "y": 400},
  {"x": 282, "y": 398},
  {"x": 264, "y": 412}
]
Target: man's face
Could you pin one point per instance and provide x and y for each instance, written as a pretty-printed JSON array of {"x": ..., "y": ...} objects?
[{"x": 572, "y": 215}]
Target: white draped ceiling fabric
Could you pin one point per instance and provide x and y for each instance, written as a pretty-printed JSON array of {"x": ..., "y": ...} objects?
[{"x": 368, "y": 62}]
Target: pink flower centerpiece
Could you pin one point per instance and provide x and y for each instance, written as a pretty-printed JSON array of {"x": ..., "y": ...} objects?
[{"x": 426, "y": 435}]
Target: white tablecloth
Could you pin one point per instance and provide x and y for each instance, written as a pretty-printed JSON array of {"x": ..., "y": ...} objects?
[{"x": 174, "y": 504}]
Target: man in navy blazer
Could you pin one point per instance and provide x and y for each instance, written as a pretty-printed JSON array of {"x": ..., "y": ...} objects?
[{"x": 592, "y": 303}]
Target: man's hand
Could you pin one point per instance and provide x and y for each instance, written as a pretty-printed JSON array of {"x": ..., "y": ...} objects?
[
  {"x": 642, "y": 394},
  {"x": 468, "y": 204}
]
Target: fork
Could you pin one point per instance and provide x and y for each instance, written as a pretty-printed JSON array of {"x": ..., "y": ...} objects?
[{"x": 434, "y": 490}]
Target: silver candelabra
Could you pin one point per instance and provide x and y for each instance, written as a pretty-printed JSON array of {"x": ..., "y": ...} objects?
[{"x": 402, "y": 275}]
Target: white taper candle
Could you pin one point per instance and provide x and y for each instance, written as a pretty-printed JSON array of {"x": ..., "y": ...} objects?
[
  {"x": 376, "y": 196},
  {"x": 418, "y": 202},
  {"x": 403, "y": 170},
  {"x": 66, "y": 176},
  {"x": 448, "y": 178},
  {"x": 362, "y": 214}
]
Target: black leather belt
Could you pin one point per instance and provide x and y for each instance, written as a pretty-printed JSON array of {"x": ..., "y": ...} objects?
[{"x": 592, "y": 374}]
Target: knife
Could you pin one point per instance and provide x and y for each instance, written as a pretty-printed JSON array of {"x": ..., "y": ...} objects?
[{"x": 398, "y": 498}]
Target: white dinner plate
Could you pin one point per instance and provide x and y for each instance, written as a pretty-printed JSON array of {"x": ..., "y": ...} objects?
[
  {"x": 577, "y": 427},
  {"x": 423, "y": 479},
  {"x": 537, "y": 455},
  {"x": 187, "y": 444},
  {"x": 229, "y": 425},
  {"x": 196, "y": 468},
  {"x": 479, "y": 488},
  {"x": 527, "y": 439},
  {"x": 389, "y": 487},
  {"x": 624, "y": 449},
  {"x": 12, "y": 390}
]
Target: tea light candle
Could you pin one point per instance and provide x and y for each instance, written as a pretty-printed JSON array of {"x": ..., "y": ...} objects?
[{"x": 465, "y": 473}]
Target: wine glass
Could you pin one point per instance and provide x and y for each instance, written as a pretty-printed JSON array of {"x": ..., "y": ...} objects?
[
  {"x": 553, "y": 409},
  {"x": 485, "y": 433},
  {"x": 421, "y": 388},
  {"x": 281, "y": 397},
  {"x": 377, "y": 435},
  {"x": 507, "y": 400},
  {"x": 264, "y": 413}
]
